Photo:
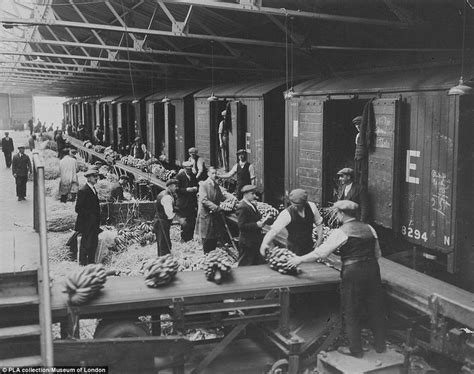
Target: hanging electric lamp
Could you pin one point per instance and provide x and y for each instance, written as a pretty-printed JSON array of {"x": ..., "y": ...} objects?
[{"x": 212, "y": 97}]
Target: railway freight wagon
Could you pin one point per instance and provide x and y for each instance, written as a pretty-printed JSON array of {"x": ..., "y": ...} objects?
[
  {"x": 170, "y": 123},
  {"x": 72, "y": 111},
  {"x": 255, "y": 121},
  {"x": 131, "y": 118},
  {"x": 107, "y": 116},
  {"x": 88, "y": 109},
  {"x": 419, "y": 169}
]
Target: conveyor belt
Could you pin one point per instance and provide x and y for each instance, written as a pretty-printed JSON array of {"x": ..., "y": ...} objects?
[{"x": 130, "y": 293}]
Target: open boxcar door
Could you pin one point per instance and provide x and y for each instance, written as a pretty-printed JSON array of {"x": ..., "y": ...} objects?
[{"x": 383, "y": 173}]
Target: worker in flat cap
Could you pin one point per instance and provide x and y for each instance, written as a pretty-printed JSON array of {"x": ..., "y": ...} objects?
[
  {"x": 165, "y": 213},
  {"x": 186, "y": 201},
  {"x": 21, "y": 168},
  {"x": 7, "y": 149},
  {"x": 223, "y": 134},
  {"x": 244, "y": 170},
  {"x": 116, "y": 194},
  {"x": 351, "y": 190},
  {"x": 68, "y": 182},
  {"x": 199, "y": 167},
  {"x": 361, "y": 286},
  {"x": 250, "y": 224},
  {"x": 88, "y": 217},
  {"x": 298, "y": 219},
  {"x": 138, "y": 149}
]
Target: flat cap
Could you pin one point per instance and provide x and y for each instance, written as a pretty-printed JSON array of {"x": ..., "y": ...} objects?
[
  {"x": 90, "y": 172},
  {"x": 346, "y": 205},
  {"x": 171, "y": 181},
  {"x": 21, "y": 146},
  {"x": 193, "y": 150},
  {"x": 248, "y": 188},
  {"x": 7, "y": 133},
  {"x": 187, "y": 164},
  {"x": 346, "y": 171},
  {"x": 241, "y": 151},
  {"x": 357, "y": 119},
  {"x": 298, "y": 196}
]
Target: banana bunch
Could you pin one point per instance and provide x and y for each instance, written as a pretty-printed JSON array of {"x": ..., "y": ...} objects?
[
  {"x": 230, "y": 202},
  {"x": 278, "y": 258},
  {"x": 137, "y": 233},
  {"x": 160, "y": 271},
  {"x": 218, "y": 265},
  {"x": 326, "y": 232},
  {"x": 85, "y": 283},
  {"x": 87, "y": 144},
  {"x": 267, "y": 210},
  {"x": 99, "y": 148}
]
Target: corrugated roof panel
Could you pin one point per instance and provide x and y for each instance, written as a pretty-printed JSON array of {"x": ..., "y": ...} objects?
[
  {"x": 393, "y": 81},
  {"x": 248, "y": 89}
]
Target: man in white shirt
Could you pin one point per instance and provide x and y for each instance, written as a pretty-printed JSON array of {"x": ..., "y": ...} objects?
[
  {"x": 298, "y": 219},
  {"x": 245, "y": 172},
  {"x": 361, "y": 284},
  {"x": 164, "y": 216}
]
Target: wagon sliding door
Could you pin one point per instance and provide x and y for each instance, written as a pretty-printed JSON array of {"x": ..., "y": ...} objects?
[
  {"x": 169, "y": 149},
  {"x": 383, "y": 174},
  {"x": 304, "y": 146},
  {"x": 237, "y": 128}
]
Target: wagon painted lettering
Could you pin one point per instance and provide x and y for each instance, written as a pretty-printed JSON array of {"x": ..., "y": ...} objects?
[
  {"x": 411, "y": 166},
  {"x": 447, "y": 240},
  {"x": 440, "y": 199}
]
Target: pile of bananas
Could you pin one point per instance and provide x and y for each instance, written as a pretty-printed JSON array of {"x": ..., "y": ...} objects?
[
  {"x": 162, "y": 173},
  {"x": 141, "y": 232},
  {"x": 160, "y": 271},
  {"x": 230, "y": 203},
  {"x": 278, "y": 258},
  {"x": 217, "y": 265},
  {"x": 99, "y": 148},
  {"x": 85, "y": 283},
  {"x": 111, "y": 155},
  {"x": 267, "y": 210},
  {"x": 326, "y": 232}
]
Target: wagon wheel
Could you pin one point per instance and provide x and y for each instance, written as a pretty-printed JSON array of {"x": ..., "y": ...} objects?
[
  {"x": 120, "y": 329},
  {"x": 279, "y": 367}
]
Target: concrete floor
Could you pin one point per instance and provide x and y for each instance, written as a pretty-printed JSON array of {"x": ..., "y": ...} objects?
[{"x": 19, "y": 244}]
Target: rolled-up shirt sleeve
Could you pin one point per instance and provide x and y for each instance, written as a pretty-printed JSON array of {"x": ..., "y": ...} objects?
[
  {"x": 167, "y": 202},
  {"x": 318, "y": 219},
  {"x": 281, "y": 222},
  {"x": 334, "y": 241}
]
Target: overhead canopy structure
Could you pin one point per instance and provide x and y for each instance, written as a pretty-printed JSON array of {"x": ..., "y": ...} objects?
[{"x": 104, "y": 47}]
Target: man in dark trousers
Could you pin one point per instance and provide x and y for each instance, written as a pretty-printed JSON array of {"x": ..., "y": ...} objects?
[
  {"x": 209, "y": 223},
  {"x": 164, "y": 216},
  {"x": 350, "y": 190},
  {"x": 298, "y": 219},
  {"x": 250, "y": 224},
  {"x": 244, "y": 170},
  {"x": 186, "y": 202},
  {"x": 360, "y": 276},
  {"x": 7, "y": 149},
  {"x": 21, "y": 167},
  {"x": 88, "y": 218}
]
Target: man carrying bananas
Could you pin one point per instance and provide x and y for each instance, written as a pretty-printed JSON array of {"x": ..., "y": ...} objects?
[
  {"x": 298, "y": 219},
  {"x": 165, "y": 206}
]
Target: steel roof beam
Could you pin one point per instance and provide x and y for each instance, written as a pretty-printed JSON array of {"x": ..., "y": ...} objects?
[
  {"x": 282, "y": 12},
  {"x": 135, "y": 30}
]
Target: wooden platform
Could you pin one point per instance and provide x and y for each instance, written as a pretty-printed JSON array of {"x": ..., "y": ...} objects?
[
  {"x": 19, "y": 251},
  {"x": 130, "y": 293}
]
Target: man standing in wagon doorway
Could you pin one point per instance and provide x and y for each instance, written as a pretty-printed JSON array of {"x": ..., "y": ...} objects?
[{"x": 223, "y": 133}]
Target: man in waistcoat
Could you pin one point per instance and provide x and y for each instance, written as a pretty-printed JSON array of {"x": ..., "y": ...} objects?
[
  {"x": 186, "y": 202},
  {"x": 165, "y": 202},
  {"x": 361, "y": 285},
  {"x": 298, "y": 219},
  {"x": 353, "y": 191},
  {"x": 199, "y": 167},
  {"x": 244, "y": 170}
]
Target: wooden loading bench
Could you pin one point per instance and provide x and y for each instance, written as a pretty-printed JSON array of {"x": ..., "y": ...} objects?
[{"x": 253, "y": 295}]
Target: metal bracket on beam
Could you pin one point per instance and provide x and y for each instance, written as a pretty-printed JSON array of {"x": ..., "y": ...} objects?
[
  {"x": 112, "y": 55},
  {"x": 179, "y": 27},
  {"x": 251, "y": 4},
  {"x": 138, "y": 44},
  {"x": 94, "y": 64}
]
